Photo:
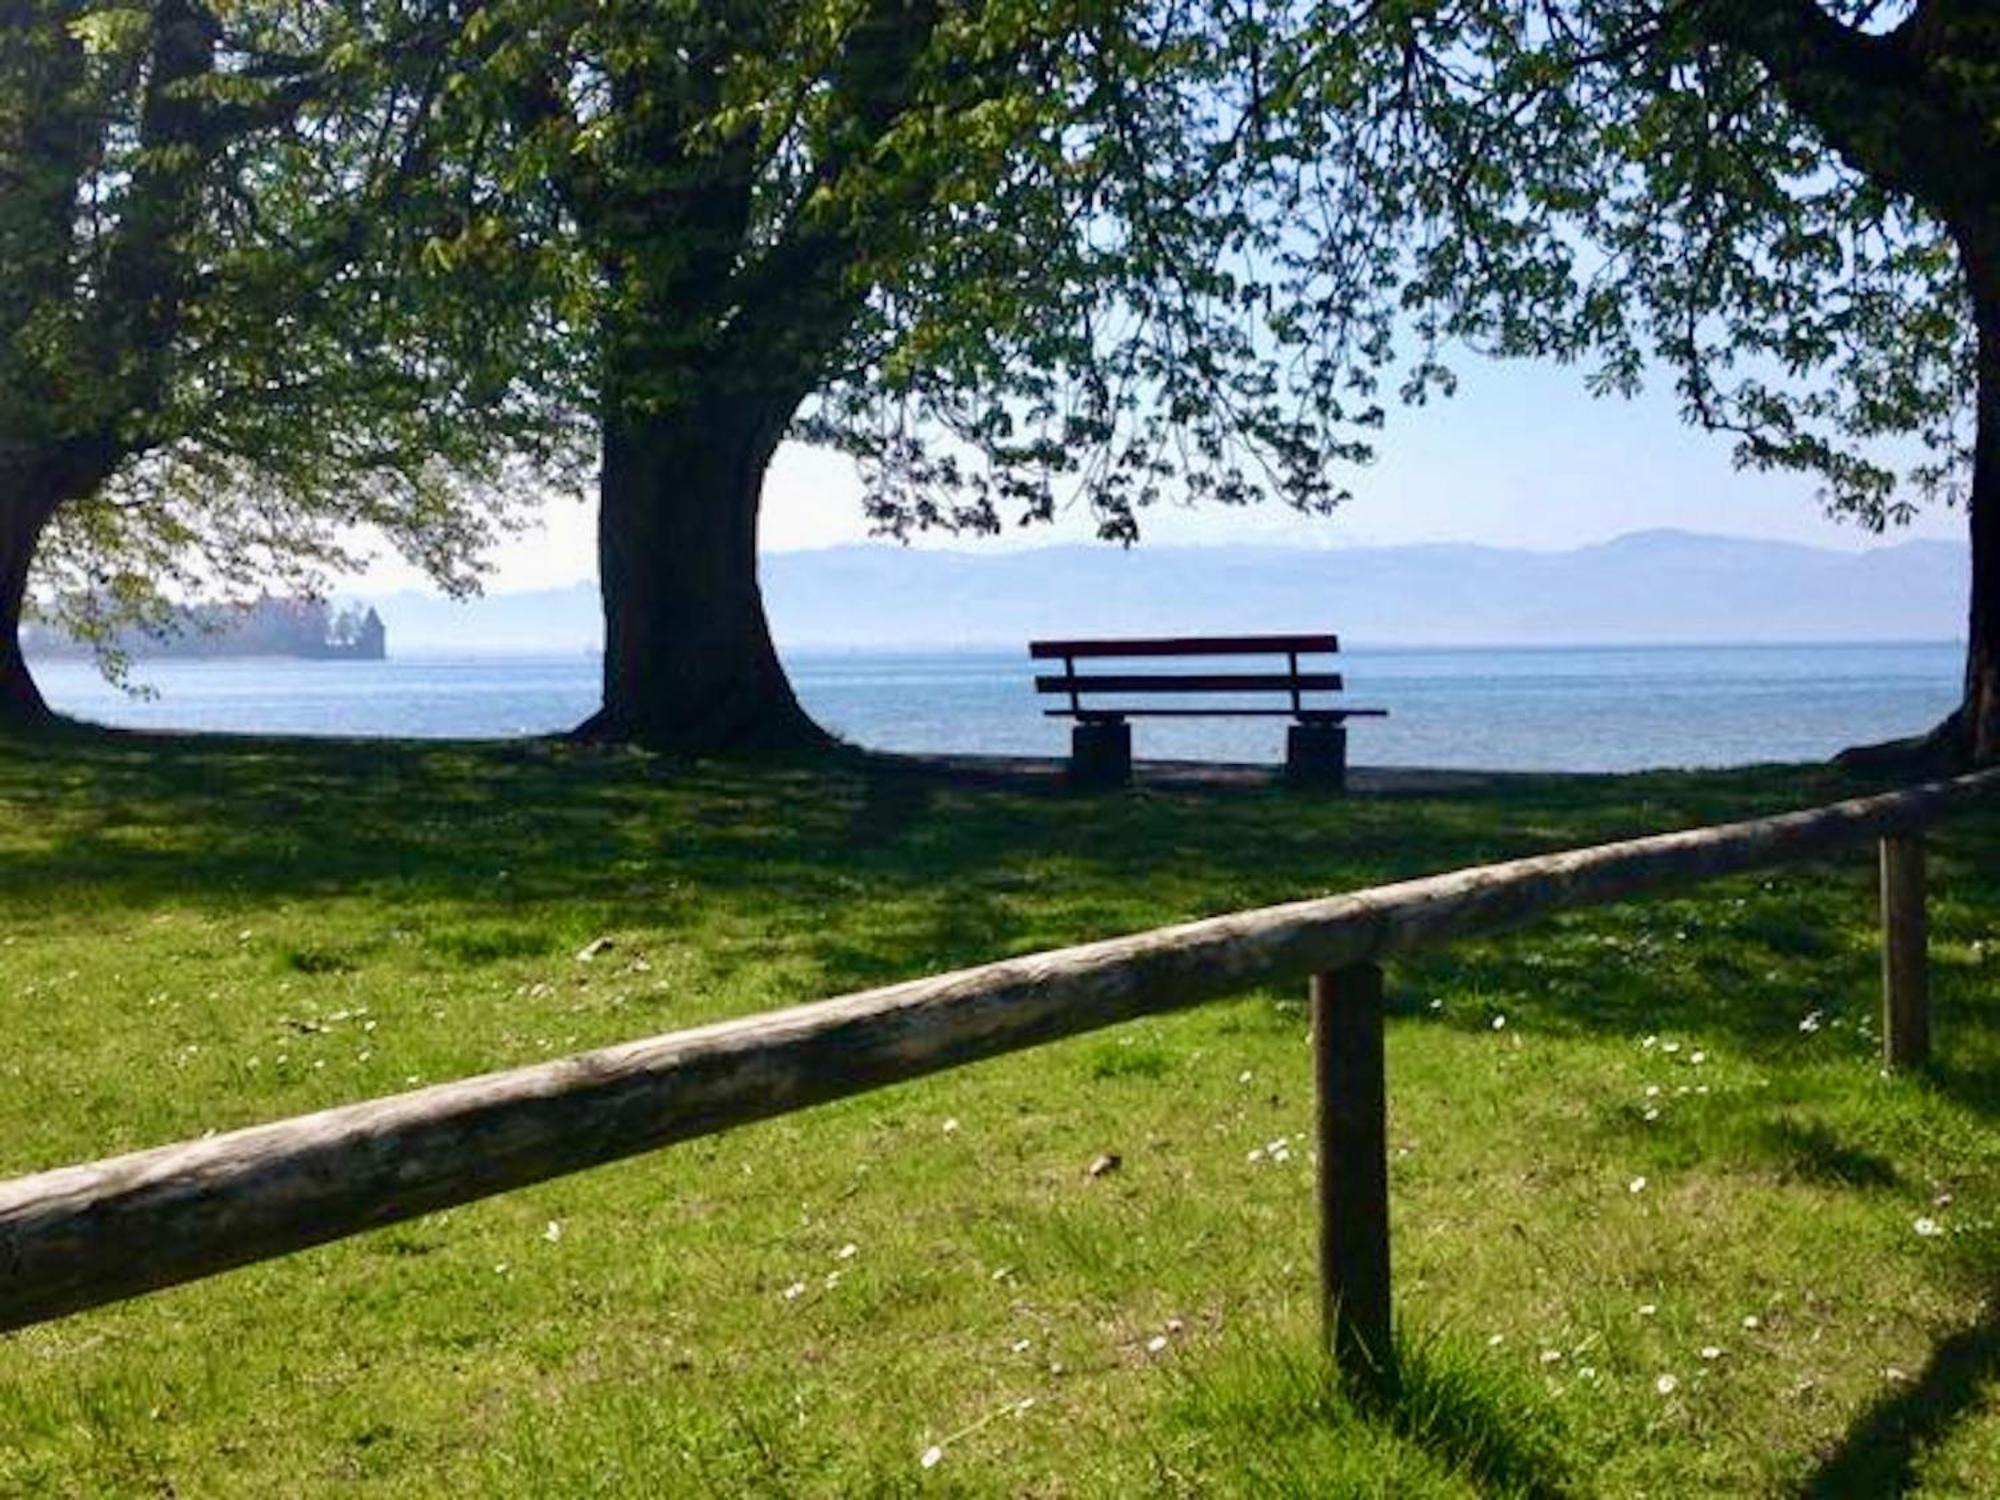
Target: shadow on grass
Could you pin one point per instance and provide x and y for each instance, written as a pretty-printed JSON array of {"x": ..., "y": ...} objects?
[
  {"x": 1810, "y": 1152},
  {"x": 1879, "y": 1455},
  {"x": 885, "y": 873},
  {"x": 1277, "y": 1418},
  {"x": 144, "y": 816},
  {"x": 1967, "y": 1069},
  {"x": 954, "y": 869}
]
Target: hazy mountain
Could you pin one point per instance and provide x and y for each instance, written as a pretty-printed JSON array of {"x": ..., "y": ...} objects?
[
  {"x": 565, "y": 619},
  {"x": 1652, "y": 586}
]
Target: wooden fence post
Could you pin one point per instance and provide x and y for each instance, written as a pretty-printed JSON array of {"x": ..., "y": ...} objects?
[
  {"x": 1906, "y": 1009},
  {"x": 1349, "y": 1079}
]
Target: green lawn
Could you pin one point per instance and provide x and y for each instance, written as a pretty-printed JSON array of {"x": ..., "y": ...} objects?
[{"x": 1656, "y": 1234}]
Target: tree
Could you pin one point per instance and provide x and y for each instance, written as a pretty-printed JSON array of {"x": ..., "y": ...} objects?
[
  {"x": 1793, "y": 206},
  {"x": 1006, "y": 254},
  {"x": 247, "y": 305}
]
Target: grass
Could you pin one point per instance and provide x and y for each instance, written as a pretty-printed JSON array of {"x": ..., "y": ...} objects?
[{"x": 197, "y": 934}]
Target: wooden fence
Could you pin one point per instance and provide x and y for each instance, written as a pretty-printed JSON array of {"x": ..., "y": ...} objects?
[{"x": 84, "y": 1235}]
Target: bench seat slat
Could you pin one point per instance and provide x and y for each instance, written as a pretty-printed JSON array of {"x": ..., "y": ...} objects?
[
  {"x": 1186, "y": 645},
  {"x": 1309, "y": 715},
  {"x": 1193, "y": 682}
]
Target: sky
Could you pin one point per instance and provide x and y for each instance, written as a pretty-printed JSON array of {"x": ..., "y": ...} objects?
[{"x": 1522, "y": 456}]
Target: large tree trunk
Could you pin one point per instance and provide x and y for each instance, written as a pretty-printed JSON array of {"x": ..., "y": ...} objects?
[
  {"x": 689, "y": 665},
  {"x": 711, "y": 343},
  {"x": 23, "y": 514},
  {"x": 1980, "y": 714}
]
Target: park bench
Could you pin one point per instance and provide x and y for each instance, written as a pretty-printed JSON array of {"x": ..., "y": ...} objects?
[{"x": 1101, "y": 741}]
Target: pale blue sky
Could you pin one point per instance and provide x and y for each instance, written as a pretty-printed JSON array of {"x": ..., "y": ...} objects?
[{"x": 1521, "y": 457}]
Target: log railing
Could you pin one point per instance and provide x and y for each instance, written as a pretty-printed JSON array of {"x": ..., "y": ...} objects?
[{"x": 80, "y": 1236}]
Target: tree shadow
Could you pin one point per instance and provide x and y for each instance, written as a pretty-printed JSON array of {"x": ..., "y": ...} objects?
[
  {"x": 1879, "y": 1455},
  {"x": 893, "y": 803},
  {"x": 137, "y": 821},
  {"x": 1965, "y": 1067},
  {"x": 978, "y": 865}
]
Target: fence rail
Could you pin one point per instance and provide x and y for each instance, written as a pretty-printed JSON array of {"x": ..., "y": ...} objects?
[{"x": 84, "y": 1235}]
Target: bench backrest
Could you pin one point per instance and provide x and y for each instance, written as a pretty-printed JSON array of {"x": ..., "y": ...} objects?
[{"x": 1292, "y": 681}]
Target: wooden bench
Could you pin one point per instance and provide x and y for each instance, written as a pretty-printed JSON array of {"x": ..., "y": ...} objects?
[{"x": 1101, "y": 742}]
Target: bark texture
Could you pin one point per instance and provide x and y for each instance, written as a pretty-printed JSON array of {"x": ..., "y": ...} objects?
[
  {"x": 22, "y": 516},
  {"x": 688, "y": 660},
  {"x": 719, "y": 330},
  {"x": 1980, "y": 730},
  {"x": 35, "y": 483}
]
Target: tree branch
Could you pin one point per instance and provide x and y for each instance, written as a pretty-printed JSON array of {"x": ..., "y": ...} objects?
[{"x": 1875, "y": 98}]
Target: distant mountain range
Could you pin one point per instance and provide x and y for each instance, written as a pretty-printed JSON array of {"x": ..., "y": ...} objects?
[{"x": 1655, "y": 586}]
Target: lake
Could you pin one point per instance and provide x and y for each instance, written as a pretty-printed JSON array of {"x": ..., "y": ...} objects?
[{"x": 1571, "y": 708}]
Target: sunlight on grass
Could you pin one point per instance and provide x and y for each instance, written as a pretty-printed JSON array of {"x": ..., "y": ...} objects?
[{"x": 201, "y": 934}]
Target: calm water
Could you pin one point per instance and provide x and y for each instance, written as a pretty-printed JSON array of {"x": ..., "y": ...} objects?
[{"x": 1545, "y": 709}]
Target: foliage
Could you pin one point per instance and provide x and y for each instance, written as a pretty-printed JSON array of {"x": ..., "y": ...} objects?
[
  {"x": 1012, "y": 257},
  {"x": 1103, "y": 313},
  {"x": 1721, "y": 189},
  {"x": 1018, "y": 257},
  {"x": 1009, "y": 256},
  {"x": 250, "y": 300}
]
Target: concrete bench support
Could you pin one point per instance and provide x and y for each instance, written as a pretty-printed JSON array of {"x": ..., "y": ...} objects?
[
  {"x": 1100, "y": 753},
  {"x": 1316, "y": 755}
]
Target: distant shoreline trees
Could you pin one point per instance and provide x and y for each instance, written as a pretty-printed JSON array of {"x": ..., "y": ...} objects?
[{"x": 309, "y": 629}]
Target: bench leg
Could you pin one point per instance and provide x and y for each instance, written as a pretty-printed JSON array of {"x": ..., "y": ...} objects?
[
  {"x": 1100, "y": 753},
  {"x": 1316, "y": 756}
]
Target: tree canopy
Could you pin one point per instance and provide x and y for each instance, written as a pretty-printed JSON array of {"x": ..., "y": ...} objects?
[
  {"x": 1633, "y": 185},
  {"x": 1014, "y": 257},
  {"x": 248, "y": 303},
  {"x": 1010, "y": 256},
  {"x": 1788, "y": 207}
]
